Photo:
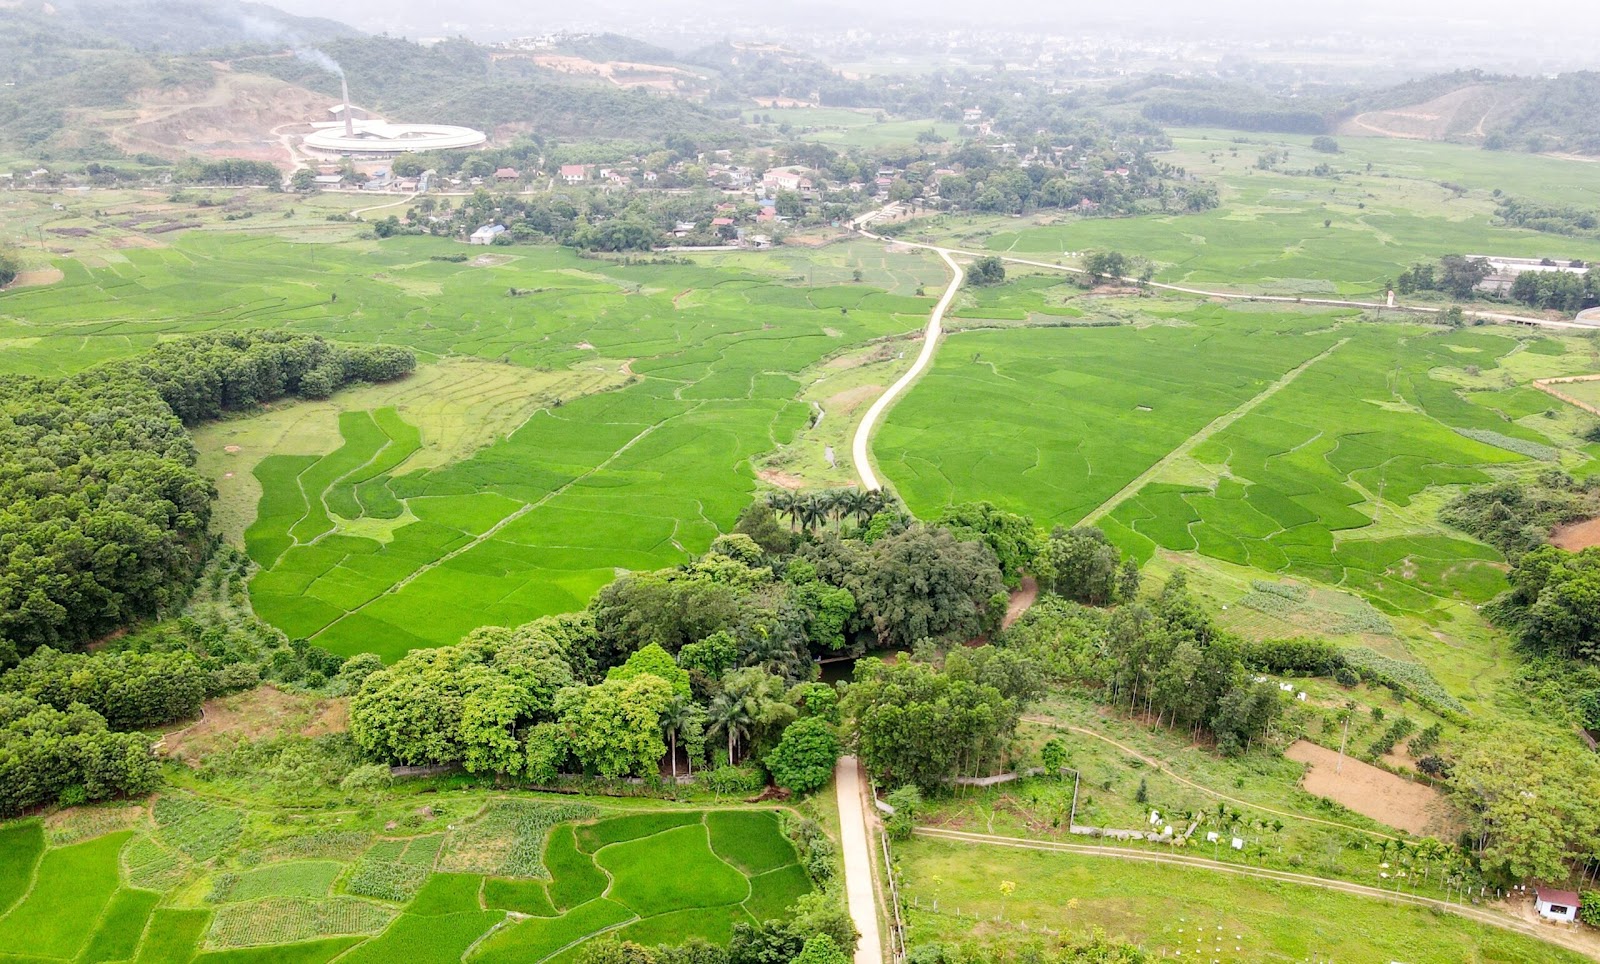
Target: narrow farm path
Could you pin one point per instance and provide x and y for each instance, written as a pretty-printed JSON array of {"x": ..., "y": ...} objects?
[
  {"x": 860, "y": 450},
  {"x": 1197, "y": 439},
  {"x": 860, "y": 884},
  {"x": 1575, "y": 940},
  {"x": 1158, "y": 765},
  {"x": 379, "y": 207}
]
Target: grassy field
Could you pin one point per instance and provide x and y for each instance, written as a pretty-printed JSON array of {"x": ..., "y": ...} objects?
[
  {"x": 1388, "y": 204},
  {"x": 258, "y": 892},
  {"x": 1180, "y": 912},
  {"x": 845, "y": 128}
]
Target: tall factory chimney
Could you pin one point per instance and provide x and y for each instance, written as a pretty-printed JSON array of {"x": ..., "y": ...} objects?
[{"x": 349, "y": 122}]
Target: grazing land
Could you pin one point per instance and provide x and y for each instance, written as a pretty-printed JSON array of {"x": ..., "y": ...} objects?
[{"x": 485, "y": 879}]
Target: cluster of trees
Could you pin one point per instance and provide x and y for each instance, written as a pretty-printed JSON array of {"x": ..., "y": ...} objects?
[
  {"x": 1551, "y": 218},
  {"x": 1454, "y": 275},
  {"x": 712, "y": 661},
  {"x": 1557, "y": 290},
  {"x": 986, "y": 271},
  {"x": 103, "y": 517},
  {"x": 460, "y": 82},
  {"x": 229, "y": 172},
  {"x": 1212, "y": 103},
  {"x": 1517, "y": 517},
  {"x": 1534, "y": 805},
  {"x": 128, "y": 690},
  {"x": 989, "y": 182},
  {"x": 1165, "y": 658},
  {"x": 915, "y": 723},
  {"x": 67, "y": 755}
]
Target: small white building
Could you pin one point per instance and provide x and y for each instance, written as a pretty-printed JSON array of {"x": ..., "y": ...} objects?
[
  {"x": 1556, "y": 905},
  {"x": 487, "y": 234}
]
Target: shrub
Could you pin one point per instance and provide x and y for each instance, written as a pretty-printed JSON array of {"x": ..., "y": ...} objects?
[
  {"x": 733, "y": 780},
  {"x": 906, "y": 801},
  {"x": 805, "y": 757}
]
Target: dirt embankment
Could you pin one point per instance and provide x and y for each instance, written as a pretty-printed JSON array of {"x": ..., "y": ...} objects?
[
  {"x": 233, "y": 117},
  {"x": 1577, "y": 535}
]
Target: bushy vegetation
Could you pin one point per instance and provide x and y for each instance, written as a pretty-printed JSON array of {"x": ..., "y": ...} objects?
[
  {"x": 1554, "y": 602},
  {"x": 54, "y": 756},
  {"x": 1517, "y": 517}
]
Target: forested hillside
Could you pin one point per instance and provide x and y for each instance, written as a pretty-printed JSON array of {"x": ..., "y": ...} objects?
[
  {"x": 103, "y": 516},
  {"x": 460, "y": 83}
]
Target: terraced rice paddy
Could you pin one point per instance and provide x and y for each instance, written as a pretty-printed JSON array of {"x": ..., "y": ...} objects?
[
  {"x": 1311, "y": 445},
  {"x": 651, "y": 876}
]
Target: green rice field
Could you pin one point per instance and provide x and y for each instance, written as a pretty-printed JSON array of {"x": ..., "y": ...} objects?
[
  {"x": 659, "y": 387},
  {"x": 1315, "y": 445},
  {"x": 534, "y": 889}
]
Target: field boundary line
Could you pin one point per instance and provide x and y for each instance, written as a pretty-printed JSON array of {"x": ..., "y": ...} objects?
[
  {"x": 1205, "y": 434},
  {"x": 860, "y": 445},
  {"x": 1151, "y": 761},
  {"x": 1481, "y": 915},
  {"x": 489, "y": 533}
]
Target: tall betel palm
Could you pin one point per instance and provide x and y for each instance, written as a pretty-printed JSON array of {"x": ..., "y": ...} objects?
[
  {"x": 784, "y": 502},
  {"x": 682, "y": 717},
  {"x": 731, "y": 716}
]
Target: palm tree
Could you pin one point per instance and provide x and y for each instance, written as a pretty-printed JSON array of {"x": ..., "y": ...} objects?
[
  {"x": 677, "y": 717},
  {"x": 730, "y": 715},
  {"x": 783, "y": 503}
]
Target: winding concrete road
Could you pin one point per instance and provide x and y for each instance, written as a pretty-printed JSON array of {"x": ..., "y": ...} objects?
[
  {"x": 860, "y": 447},
  {"x": 860, "y": 883}
]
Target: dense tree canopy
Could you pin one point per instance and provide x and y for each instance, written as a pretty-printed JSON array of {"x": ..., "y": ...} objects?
[
  {"x": 1555, "y": 602},
  {"x": 102, "y": 514},
  {"x": 49, "y": 755}
]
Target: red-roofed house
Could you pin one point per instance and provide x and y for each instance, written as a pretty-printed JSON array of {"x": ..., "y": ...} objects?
[
  {"x": 721, "y": 222},
  {"x": 1558, "y": 905},
  {"x": 506, "y": 174},
  {"x": 574, "y": 173}
]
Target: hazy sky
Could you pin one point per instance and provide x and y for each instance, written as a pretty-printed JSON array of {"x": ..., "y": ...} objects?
[{"x": 1483, "y": 29}]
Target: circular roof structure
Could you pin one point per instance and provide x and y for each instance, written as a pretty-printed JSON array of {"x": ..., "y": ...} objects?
[{"x": 386, "y": 138}]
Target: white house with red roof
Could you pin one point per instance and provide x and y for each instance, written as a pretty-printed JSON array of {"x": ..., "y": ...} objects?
[
  {"x": 1556, "y": 905},
  {"x": 574, "y": 173}
]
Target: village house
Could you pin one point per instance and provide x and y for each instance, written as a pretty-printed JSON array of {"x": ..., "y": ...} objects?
[
  {"x": 786, "y": 179},
  {"x": 487, "y": 234},
  {"x": 1556, "y": 905},
  {"x": 506, "y": 174},
  {"x": 574, "y": 173}
]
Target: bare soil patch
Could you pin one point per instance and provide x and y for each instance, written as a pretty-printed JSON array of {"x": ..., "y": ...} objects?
[
  {"x": 37, "y": 277},
  {"x": 262, "y": 713},
  {"x": 1373, "y": 792},
  {"x": 1577, "y": 535},
  {"x": 782, "y": 480},
  {"x": 847, "y": 401}
]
